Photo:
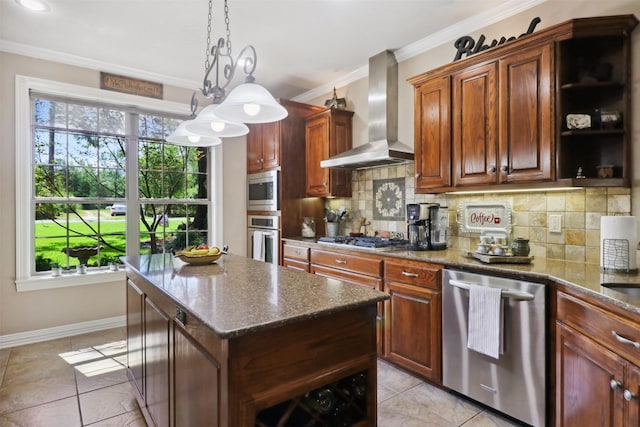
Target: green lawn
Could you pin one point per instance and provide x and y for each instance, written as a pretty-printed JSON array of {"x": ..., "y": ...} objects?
[{"x": 51, "y": 239}]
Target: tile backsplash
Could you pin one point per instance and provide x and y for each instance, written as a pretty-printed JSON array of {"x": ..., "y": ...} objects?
[{"x": 579, "y": 209}]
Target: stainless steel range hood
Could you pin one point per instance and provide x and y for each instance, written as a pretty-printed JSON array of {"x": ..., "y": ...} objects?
[{"x": 383, "y": 147}]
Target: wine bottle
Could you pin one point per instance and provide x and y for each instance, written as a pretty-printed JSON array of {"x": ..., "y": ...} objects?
[
  {"x": 322, "y": 400},
  {"x": 355, "y": 386}
]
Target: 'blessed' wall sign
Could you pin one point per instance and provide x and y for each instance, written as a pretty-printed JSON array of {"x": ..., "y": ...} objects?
[{"x": 466, "y": 45}]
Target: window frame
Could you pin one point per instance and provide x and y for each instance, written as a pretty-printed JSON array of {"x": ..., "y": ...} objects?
[{"x": 25, "y": 280}]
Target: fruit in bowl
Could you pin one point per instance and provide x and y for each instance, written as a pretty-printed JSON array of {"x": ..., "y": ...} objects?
[{"x": 201, "y": 254}]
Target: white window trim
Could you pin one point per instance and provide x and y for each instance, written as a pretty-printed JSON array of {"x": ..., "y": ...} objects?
[{"x": 24, "y": 173}]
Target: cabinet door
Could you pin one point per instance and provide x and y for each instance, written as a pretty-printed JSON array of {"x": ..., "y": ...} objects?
[
  {"x": 254, "y": 149},
  {"x": 157, "y": 364},
  {"x": 475, "y": 115},
  {"x": 135, "y": 336},
  {"x": 197, "y": 382},
  {"x": 432, "y": 135},
  {"x": 633, "y": 385},
  {"x": 317, "y": 149},
  {"x": 584, "y": 371},
  {"x": 413, "y": 329},
  {"x": 270, "y": 145},
  {"x": 340, "y": 140},
  {"x": 526, "y": 143}
]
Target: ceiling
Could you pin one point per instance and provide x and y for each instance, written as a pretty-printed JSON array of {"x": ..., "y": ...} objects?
[{"x": 302, "y": 45}]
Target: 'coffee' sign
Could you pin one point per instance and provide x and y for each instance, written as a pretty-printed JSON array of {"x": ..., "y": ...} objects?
[{"x": 466, "y": 45}]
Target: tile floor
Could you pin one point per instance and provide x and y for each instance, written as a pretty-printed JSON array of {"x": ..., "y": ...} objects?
[{"x": 81, "y": 381}]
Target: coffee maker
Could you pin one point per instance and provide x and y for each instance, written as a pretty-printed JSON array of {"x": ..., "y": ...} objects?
[{"x": 427, "y": 226}]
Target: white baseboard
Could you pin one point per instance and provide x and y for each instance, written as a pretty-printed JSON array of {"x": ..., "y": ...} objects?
[{"x": 30, "y": 337}]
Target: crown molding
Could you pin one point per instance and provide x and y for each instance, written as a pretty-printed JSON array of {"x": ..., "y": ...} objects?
[
  {"x": 466, "y": 26},
  {"x": 92, "y": 64}
]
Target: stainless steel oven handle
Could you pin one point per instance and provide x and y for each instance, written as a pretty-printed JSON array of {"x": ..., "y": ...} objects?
[{"x": 507, "y": 293}]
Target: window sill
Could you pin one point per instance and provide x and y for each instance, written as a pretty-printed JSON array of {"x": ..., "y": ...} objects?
[{"x": 66, "y": 280}]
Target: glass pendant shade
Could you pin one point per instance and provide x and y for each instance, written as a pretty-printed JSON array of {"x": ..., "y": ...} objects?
[
  {"x": 182, "y": 136},
  {"x": 210, "y": 124},
  {"x": 251, "y": 103}
]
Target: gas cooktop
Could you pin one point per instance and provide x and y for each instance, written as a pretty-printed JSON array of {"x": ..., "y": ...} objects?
[{"x": 363, "y": 242}]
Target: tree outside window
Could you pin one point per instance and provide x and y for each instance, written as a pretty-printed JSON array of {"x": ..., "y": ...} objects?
[{"x": 80, "y": 176}]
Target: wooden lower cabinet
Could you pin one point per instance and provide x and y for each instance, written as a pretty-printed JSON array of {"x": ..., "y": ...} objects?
[
  {"x": 413, "y": 325},
  {"x": 197, "y": 382},
  {"x": 156, "y": 363},
  {"x": 585, "y": 370},
  {"x": 597, "y": 358},
  {"x": 295, "y": 257},
  {"x": 135, "y": 337},
  {"x": 183, "y": 374},
  {"x": 355, "y": 268}
]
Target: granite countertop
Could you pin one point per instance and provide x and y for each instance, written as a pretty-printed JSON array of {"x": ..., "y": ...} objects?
[
  {"x": 578, "y": 275},
  {"x": 238, "y": 295}
]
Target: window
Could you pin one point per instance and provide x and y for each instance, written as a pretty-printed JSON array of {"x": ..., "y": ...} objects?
[{"x": 101, "y": 182}]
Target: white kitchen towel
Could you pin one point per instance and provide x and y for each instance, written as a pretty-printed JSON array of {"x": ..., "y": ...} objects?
[
  {"x": 485, "y": 320},
  {"x": 258, "y": 245}
]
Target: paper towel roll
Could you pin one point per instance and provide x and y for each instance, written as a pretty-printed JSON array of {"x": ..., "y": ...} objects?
[{"x": 614, "y": 254}]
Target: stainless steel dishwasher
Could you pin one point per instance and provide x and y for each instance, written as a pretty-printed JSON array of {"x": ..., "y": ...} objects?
[{"x": 515, "y": 382}]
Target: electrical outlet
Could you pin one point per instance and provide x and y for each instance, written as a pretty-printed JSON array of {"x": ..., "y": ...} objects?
[{"x": 555, "y": 223}]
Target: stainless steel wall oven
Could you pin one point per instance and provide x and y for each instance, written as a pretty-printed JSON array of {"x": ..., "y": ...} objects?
[{"x": 263, "y": 238}]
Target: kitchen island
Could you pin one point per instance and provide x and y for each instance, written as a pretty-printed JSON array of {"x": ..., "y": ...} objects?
[{"x": 246, "y": 343}]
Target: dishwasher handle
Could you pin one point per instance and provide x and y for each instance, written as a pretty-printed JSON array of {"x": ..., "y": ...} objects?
[{"x": 507, "y": 293}]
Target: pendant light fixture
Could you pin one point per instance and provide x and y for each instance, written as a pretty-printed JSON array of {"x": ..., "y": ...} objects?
[
  {"x": 248, "y": 103},
  {"x": 182, "y": 136}
]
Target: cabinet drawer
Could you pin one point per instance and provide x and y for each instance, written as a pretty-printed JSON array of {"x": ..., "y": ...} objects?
[
  {"x": 601, "y": 326},
  {"x": 415, "y": 273},
  {"x": 356, "y": 263},
  {"x": 295, "y": 252},
  {"x": 347, "y": 276},
  {"x": 295, "y": 264}
]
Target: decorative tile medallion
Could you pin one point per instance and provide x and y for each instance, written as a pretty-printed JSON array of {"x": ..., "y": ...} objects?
[{"x": 388, "y": 199}]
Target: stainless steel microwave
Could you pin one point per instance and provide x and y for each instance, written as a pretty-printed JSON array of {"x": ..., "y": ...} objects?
[{"x": 262, "y": 191}]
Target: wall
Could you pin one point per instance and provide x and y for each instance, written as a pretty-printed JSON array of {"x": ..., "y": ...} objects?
[
  {"x": 29, "y": 311},
  {"x": 581, "y": 209}
]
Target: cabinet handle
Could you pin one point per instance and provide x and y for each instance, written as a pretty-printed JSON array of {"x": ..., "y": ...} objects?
[
  {"x": 417, "y": 175},
  {"x": 406, "y": 273},
  {"x": 341, "y": 261},
  {"x": 181, "y": 316},
  {"x": 624, "y": 340},
  {"x": 492, "y": 169},
  {"x": 614, "y": 384},
  {"x": 628, "y": 396},
  {"x": 505, "y": 168}
]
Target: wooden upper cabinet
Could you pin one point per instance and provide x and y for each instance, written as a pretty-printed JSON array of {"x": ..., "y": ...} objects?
[
  {"x": 263, "y": 147},
  {"x": 327, "y": 133},
  {"x": 509, "y": 107},
  {"x": 432, "y": 135},
  {"x": 475, "y": 114},
  {"x": 525, "y": 139}
]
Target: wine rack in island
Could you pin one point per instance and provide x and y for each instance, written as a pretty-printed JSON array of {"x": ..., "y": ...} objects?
[{"x": 341, "y": 403}]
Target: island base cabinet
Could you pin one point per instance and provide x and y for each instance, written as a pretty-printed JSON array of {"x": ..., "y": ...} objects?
[
  {"x": 184, "y": 374},
  {"x": 156, "y": 364},
  {"x": 197, "y": 382},
  {"x": 135, "y": 337},
  {"x": 269, "y": 374}
]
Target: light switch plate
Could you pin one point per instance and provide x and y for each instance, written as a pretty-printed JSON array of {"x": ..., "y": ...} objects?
[{"x": 555, "y": 223}]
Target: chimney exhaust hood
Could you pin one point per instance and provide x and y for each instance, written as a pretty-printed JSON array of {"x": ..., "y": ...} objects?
[{"x": 383, "y": 147}]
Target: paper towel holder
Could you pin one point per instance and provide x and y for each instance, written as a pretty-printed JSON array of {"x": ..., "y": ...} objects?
[{"x": 615, "y": 256}]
